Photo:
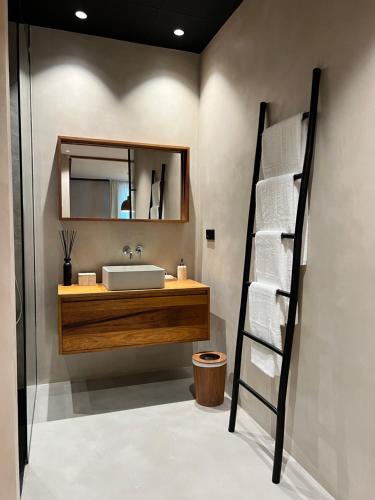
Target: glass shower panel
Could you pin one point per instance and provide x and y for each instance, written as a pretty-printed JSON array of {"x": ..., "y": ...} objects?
[
  {"x": 18, "y": 246},
  {"x": 23, "y": 217},
  {"x": 28, "y": 221}
]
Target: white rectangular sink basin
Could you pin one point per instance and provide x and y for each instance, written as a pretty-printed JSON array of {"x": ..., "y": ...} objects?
[{"x": 135, "y": 277}]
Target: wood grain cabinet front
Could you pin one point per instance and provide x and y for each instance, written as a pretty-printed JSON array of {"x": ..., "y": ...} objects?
[{"x": 93, "y": 319}]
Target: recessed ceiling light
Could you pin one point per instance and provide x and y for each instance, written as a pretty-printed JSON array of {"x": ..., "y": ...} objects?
[
  {"x": 179, "y": 32},
  {"x": 80, "y": 14},
  {"x": 67, "y": 151}
]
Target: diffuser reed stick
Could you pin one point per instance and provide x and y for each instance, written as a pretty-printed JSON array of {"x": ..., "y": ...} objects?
[{"x": 67, "y": 238}]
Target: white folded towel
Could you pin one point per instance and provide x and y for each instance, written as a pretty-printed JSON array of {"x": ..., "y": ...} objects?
[
  {"x": 273, "y": 265},
  {"x": 264, "y": 322},
  {"x": 276, "y": 207},
  {"x": 155, "y": 191},
  {"x": 276, "y": 204},
  {"x": 273, "y": 259},
  {"x": 283, "y": 147},
  {"x": 154, "y": 212}
]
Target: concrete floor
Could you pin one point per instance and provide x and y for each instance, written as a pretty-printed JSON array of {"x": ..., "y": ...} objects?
[{"x": 150, "y": 441}]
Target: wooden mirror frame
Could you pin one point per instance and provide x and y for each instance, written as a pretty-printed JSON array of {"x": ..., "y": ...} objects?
[{"x": 185, "y": 167}]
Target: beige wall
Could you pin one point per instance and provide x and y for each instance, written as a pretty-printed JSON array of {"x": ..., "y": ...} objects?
[
  {"x": 97, "y": 87},
  {"x": 8, "y": 360},
  {"x": 266, "y": 51}
]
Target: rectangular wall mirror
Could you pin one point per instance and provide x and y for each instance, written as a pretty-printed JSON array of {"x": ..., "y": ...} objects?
[{"x": 122, "y": 181}]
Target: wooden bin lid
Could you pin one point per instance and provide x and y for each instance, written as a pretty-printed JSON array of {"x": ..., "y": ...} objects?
[{"x": 199, "y": 357}]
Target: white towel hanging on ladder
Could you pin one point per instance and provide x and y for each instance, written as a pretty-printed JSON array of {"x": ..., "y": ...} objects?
[{"x": 264, "y": 322}]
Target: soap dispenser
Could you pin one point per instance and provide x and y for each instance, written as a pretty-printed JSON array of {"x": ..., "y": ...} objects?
[{"x": 182, "y": 271}]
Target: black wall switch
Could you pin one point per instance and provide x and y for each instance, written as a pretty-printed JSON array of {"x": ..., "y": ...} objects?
[{"x": 210, "y": 234}]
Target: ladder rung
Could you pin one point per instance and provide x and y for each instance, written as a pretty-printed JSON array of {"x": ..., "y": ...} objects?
[
  {"x": 278, "y": 291},
  {"x": 257, "y": 395},
  {"x": 263, "y": 342},
  {"x": 296, "y": 176},
  {"x": 283, "y": 235}
]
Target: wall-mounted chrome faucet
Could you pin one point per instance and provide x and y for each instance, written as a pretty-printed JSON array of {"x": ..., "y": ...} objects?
[{"x": 127, "y": 252}]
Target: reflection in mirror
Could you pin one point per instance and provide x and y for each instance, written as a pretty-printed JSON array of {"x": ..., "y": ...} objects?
[{"x": 122, "y": 181}]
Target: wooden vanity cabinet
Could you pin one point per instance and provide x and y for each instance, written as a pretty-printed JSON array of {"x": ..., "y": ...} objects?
[{"x": 91, "y": 318}]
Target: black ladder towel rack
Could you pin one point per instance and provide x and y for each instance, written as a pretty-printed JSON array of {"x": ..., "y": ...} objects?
[{"x": 286, "y": 352}]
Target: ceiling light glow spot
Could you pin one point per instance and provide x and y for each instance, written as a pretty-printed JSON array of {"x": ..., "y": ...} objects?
[
  {"x": 80, "y": 14},
  {"x": 179, "y": 32}
]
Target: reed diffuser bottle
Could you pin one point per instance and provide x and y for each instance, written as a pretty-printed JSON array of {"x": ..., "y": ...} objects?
[{"x": 67, "y": 238}]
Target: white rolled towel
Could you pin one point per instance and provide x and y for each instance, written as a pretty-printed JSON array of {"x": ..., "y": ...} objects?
[{"x": 283, "y": 147}]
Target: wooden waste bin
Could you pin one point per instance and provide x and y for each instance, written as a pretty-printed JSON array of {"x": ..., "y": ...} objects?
[{"x": 209, "y": 377}]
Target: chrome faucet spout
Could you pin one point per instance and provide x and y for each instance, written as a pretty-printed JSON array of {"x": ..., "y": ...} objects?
[{"x": 127, "y": 252}]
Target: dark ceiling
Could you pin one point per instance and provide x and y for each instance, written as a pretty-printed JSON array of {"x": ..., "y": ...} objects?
[{"x": 144, "y": 21}]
